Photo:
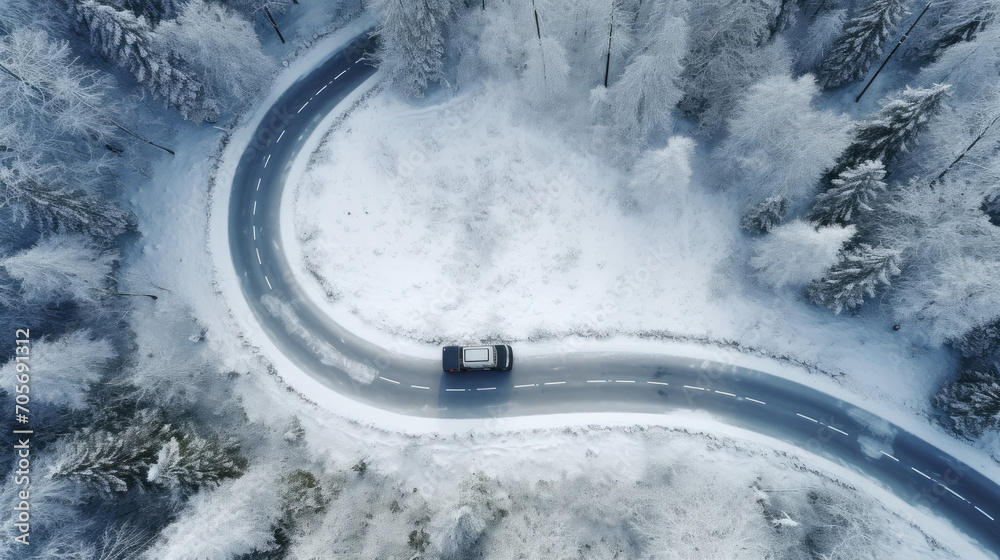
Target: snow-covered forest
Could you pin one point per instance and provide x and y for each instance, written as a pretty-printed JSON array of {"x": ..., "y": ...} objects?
[
  {"x": 152, "y": 441},
  {"x": 885, "y": 206}
]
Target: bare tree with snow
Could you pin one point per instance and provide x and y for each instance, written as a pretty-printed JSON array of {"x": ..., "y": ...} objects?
[
  {"x": 219, "y": 46},
  {"x": 61, "y": 266},
  {"x": 797, "y": 253},
  {"x": 779, "y": 143},
  {"x": 411, "y": 42}
]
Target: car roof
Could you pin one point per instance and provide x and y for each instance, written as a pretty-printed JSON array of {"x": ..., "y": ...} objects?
[{"x": 476, "y": 354}]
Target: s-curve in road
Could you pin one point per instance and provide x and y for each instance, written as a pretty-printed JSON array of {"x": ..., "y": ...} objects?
[{"x": 913, "y": 469}]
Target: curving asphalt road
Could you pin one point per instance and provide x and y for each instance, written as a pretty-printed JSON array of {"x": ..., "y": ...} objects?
[{"x": 913, "y": 469}]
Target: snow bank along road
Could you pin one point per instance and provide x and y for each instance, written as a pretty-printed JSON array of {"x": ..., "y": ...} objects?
[{"x": 573, "y": 382}]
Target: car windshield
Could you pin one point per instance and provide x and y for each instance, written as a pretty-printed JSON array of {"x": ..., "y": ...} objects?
[{"x": 477, "y": 354}]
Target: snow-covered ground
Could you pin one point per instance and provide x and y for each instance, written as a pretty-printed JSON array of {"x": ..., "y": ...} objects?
[
  {"x": 560, "y": 246},
  {"x": 452, "y": 219}
]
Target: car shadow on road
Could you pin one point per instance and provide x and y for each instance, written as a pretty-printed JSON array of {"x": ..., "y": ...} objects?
[{"x": 467, "y": 394}]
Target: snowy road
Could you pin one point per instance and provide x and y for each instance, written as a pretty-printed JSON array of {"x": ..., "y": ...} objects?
[{"x": 913, "y": 469}]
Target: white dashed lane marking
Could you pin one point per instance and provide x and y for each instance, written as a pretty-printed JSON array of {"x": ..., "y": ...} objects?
[
  {"x": 523, "y": 386},
  {"x": 454, "y": 390},
  {"x": 657, "y": 383},
  {"x": 258, "y": 257},
  {"x": 267, "y": 160},
  {"x": 320, "y": 90},
  {"x": 389, "y": 380},
  {"x": 486, "y": 389},
  {"x": 268, "y": 283},
  {"x": 755, "y": 400},
  {"x": 624, "y": 381},
  {"x": 695, "y": 388},
  {"x": 341, "y": 74},
  {"x": 279, "y": 137},
  {"x": 254, "y": 232},
  {"x": 839, "y": 431},
  {"x": 300, "y": 109},
  {"x": 725, "y": 393},
  {"x": 555, "y": 383},
  {"x": 255, "y": 208},
  {"x": 258, "y": 184},
  {"x": 921, "y": 474},
  {"x": 984, "y": 513},
  {"x": 597, "y": 381},
  {"x": 956, "y": 494},
  {"x": 807, "y": 418},
  {"x": 419, "y": 387},
  {"x": 889, "y": 456}
]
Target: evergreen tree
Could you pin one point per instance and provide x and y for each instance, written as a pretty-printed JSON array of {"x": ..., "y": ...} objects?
[
  {"x": 189, "y": 462},
  {"x": 852, "y": 192},
  {"x": 892, "y": 130},
  {"x": 111, "y": 462},
  {"x": 861, "y": 43},
  {"x": 859, "y": 272},
  {"x": 765, "y": 215},
  {"x": 411, "y": 42},
  {"x": 962, "y": 21},
  {"x": 154, "y": 11},
  {"x": 124, "y": 39},
  {"x": 980, "y": 341},
  {"x": 972, "y": 401}
]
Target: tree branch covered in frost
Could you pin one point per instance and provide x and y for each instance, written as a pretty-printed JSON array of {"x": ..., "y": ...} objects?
[
  {"x": 411, "y": 41},
  {"x": 236, "y": 518},
  {"x": 64, "y": 265},
  {"x": 642, "y": 99},
  {"x": 953, "y": 251},
  {"x": 65, "y": 368},
  {"x": 731, "y": 46},
  {"x": 220, "y": 47},
  {"x": 778, "y": 143},
  {"x": 797, "y": 253}
]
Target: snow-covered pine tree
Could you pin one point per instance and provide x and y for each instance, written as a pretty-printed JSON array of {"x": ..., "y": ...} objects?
[
  {"x": 764, "y": 215},
  {"x": 55, "y": 207},
  {"x": 980, "y": 341},
  {"x": 962, "y": 21},
  {"x": 892, "y": 130},
  {"x": 972, "y": 401},
  {"x": 189, "y": 462},
  {"x": 858, "y": 273},
  {"x": 411, "y": 42},
  {"x": 111, "y": 462},
  {"x": 154, "y": 11},
  {"x": 124, "y": 39},
  {"x": 861, "y": 43},
  {"x": 852, "y": 192}
]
